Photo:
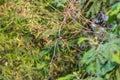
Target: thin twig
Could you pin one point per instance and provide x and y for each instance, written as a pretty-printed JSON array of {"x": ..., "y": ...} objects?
[
  {"x": 63, "y": 22},
  {"x": 54, "y": 51},
  {"x": 87, "y": 4},
  {"x": 56, "y": 42}
]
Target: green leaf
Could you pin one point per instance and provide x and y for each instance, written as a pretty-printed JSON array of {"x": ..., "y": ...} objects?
[
  {"x": 47, "y": 33},
  {"x": 1, "y": 2},
  {"x": 116, "y": 58},
  {"x": 40, "y": 65},
  {"x": 117, "y": 74},
  {"x": 44, "y": 52},
  {"x": 88, "y": 56},
  {"x": 114, "y": 9},
  {"x": 118, "y": 16},
  {"x": 67, "y": 77},
  {"x": 108, "y": 67},
  {"x": 91, "y": 68},
  {"x": 7, "y": 26},
  {"x": 82, "y": 39},
  {"x": 63, "y": 1},
  {"x": 59, "y": 1}
]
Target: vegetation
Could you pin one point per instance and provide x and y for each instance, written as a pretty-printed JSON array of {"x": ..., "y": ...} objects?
[{"x": 59, "y": 39}]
